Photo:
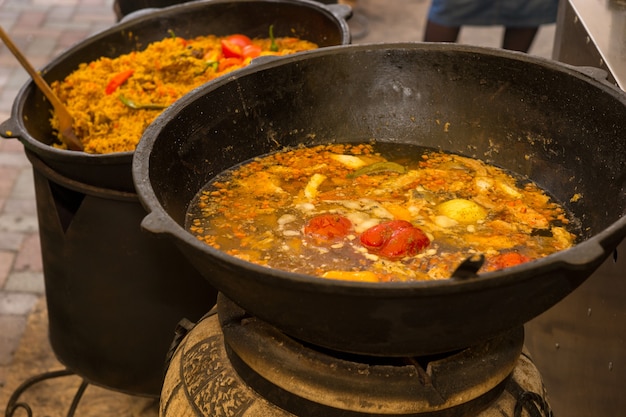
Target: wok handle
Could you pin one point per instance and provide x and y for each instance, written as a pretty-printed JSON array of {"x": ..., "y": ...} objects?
[
  {"x": 155, "y": 223},
  {"x": 597, "y": 74},
  {"x": 341, "y": 11},
  {"x": 9, "y": 130},
  {"x": 582, "y": 256}
]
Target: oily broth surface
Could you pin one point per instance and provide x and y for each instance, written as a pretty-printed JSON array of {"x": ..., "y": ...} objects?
[{"x": 259, "y": 211}]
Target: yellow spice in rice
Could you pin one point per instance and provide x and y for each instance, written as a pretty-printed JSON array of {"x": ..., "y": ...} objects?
[{"x": 162, "y": 73}]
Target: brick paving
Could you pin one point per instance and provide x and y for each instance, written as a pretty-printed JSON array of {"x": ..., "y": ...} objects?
[
  {"x": 41, "y": 29},
  {"x": 44, "y": 28}
]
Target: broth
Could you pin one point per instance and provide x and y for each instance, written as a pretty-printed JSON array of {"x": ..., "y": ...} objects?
[{"x": 377, "y": 213}]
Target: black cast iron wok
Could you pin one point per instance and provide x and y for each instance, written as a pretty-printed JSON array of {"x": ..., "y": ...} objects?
[
  {"x": 319, "y": 23},
  {"x": 559, "y": 126}
]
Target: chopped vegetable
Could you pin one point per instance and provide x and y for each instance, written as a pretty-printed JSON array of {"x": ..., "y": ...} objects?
[
  {"x": 310, "y": 191},
  {"x": 377, "y": 168},
  {"x": 117, "y": 80},
  {"x": 351, "y": 161},
  {"x": 230, "y": 49},
  {"x": 273, "y": 45},
  {"x": 136, "y": 106},
  {"x": 395, "y": 239},
  {"x": 462, "y": 210},
  {"x": 229, "y": 62},
  {"x": 506, "y": 260},
  {"x": 251, "y": 51},
  {"x": 239, "y": 46},
  {"x": 362, "y": 276},
  {"x": 328, "y": 227},
  {"x": 239, "y": 39}
]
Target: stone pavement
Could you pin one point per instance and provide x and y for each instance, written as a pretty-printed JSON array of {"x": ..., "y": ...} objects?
[{"x": 43, "y": 29}]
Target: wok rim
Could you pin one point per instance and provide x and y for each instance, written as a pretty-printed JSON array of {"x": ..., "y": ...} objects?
[{"x": 160, "y": 222}]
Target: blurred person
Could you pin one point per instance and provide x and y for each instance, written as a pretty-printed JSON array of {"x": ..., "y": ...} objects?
[{"x": 520, "y": 18}]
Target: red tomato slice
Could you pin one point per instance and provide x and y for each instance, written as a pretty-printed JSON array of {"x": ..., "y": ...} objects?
[
  {"x": 328, "y": 227},
  {"x": 404, "y": 242},
  {"x": 228, "y": 62},
  {"x": 117, "y": 80},
  {"x": 394, "y": 239},
  {"x": 507, "y": 260},
  {"x": 239, "y": 39},
  {"x": 375, "y": 237},
  {"x": 230, "y": 49},
  {"x": 251, "y": 51}
]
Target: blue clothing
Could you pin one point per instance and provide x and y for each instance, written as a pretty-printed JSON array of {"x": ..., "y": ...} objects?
[{"x": 509, "y": 13}]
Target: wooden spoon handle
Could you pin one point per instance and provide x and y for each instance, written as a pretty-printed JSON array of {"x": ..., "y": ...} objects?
[{"x": 66, "y": 120}]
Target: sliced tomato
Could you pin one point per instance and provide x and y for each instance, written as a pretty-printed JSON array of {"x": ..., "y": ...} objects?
[
  {"x": 230, "y": 49},
  {"x": 233, "y": 45},
  {"x": 213, "y": 55},
  {"x": 404, "y": 242},
  {"x": 228, "y": 62},
  {"x": 376, "y": 236},
  {"x": 239, "y": 39},
  {"x": 328, "y": 227},
  {"x": 507, "y": 260},
  {"x": 394, "y": 239},
  {"x": 117, "y": 80},
  {"x": 251, "y": 51}
]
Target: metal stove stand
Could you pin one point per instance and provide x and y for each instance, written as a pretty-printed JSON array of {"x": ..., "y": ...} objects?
[{"x": 15, "y": 404}]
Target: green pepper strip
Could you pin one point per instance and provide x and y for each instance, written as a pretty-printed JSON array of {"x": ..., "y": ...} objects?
[
  {"x": 273, "y": 45},
  {"x": 137, "y": 106},
  {"x": 207, "y": 65},
  {"x": 377, "y": 168}
]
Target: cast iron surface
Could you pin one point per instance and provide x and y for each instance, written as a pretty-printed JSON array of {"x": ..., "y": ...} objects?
[
  {"x": 559, "y": 126},
  {"x": 29, "y": 122},
  {"x": 114, "y": 293}
]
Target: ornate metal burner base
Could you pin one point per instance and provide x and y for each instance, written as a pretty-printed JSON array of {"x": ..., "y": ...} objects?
[
  {"x": 14, "y": 404},
  {"x": 219, "y": 370}
]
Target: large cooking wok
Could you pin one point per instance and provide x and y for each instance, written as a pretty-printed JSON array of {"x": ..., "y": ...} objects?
[
  {"x": 561, "y": 127},
  {"x": 319, "y": 23}
]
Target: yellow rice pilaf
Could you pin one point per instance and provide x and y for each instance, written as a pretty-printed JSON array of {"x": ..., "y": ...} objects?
[{"x": 162, "y": 73}]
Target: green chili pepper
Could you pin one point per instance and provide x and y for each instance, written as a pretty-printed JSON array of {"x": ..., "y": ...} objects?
[
  {"x": 377, "y": 168},
  {"x": 149, "y": 106},
  {"x": 273, "y": 45},
  {"x": 171, "y": 33},
  {"x": 207, "y": 65}
]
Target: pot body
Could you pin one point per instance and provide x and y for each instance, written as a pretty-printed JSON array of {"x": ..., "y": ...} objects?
[
  {"x": 560, "y": 127},
  {"x": 324, "y": 25},
  {"x": 114, "y": 293}
]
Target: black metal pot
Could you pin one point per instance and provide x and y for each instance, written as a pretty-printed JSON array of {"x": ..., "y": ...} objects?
[
  {"x": 561, "y": 127},
  {"x": 29, "y": 122},
  {"x": 114, "y": 293}
]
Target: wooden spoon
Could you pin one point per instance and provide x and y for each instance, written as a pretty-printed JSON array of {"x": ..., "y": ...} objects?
[{"x": 66, "y": 121}]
